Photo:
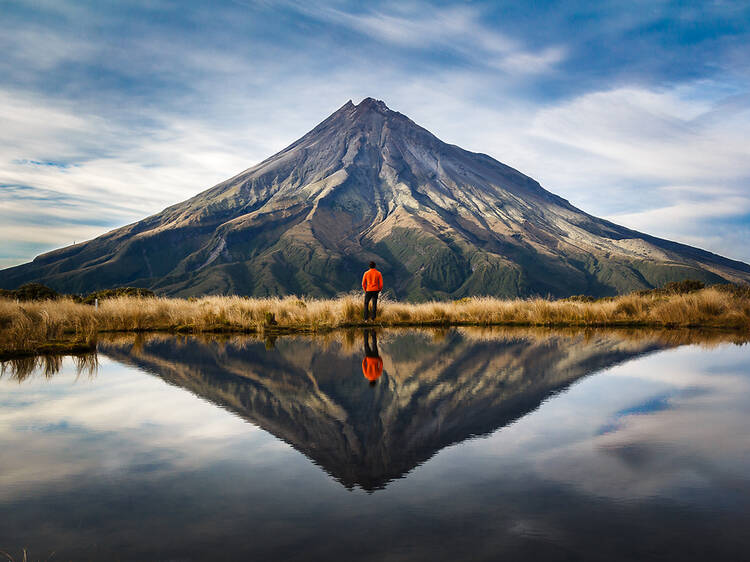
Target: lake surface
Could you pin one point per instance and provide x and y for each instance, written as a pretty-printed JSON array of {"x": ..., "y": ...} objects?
[{"x": 412, "y": 445}]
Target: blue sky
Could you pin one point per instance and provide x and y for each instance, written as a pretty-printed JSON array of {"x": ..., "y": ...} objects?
[{"x": 638, "y": 112}]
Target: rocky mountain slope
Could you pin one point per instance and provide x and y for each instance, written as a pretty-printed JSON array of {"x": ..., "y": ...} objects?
[{"x": 369, "y": 184}]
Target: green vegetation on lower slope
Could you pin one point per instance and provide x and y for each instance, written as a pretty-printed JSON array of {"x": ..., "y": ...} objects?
[
  {"x": 39, "y": 292},
  {"x": 293, "y": 258},
  {"x": 431, "y": 266}
]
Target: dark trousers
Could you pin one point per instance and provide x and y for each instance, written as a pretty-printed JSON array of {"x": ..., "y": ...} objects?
[{"x": 371, "y": 297}]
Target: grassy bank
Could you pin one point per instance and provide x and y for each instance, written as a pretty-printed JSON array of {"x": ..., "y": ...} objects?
[{"x": 29, "y": 327}]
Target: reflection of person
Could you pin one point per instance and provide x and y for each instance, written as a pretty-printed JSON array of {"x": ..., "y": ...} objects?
[
  {"x": 372, "y": 284},
  {"x": 372, "y": 364}
]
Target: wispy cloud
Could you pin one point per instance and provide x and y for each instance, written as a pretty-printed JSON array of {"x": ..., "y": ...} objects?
[
  {"x": 655, "y": 134},
  {"x": 67, "y": 177},
  {"x": 667, "y": 162},
  {"x": 457, "y": 30}
]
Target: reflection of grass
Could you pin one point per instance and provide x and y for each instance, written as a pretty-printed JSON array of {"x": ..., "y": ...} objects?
[
  {"x": 22, "y": 367},
  {"x": 350, "y": 340},
  {"x": 32, "y": 326}
]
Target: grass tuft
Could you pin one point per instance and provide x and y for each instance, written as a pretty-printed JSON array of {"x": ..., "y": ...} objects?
[{"x": 28, "y": 327}]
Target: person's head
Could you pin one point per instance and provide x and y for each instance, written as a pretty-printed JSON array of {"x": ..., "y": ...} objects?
[{"x": 372, "y": 265}]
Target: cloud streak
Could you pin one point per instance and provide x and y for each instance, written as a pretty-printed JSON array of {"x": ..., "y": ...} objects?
[{"x": 456, "y": 30}]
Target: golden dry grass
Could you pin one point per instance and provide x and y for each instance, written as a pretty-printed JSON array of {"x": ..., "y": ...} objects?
[{"x": 30, "y": 326}]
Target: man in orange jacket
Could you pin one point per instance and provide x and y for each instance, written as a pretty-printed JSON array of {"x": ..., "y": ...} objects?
[{"x": 372, "y": 284}]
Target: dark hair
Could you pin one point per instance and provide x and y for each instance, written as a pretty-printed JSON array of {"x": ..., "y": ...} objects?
[{"x": 372, "y": 264}]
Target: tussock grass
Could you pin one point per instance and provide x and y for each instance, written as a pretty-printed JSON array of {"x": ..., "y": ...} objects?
[
  {"x": 34, "y": 326},
  {"x": 46, "y": 326}
]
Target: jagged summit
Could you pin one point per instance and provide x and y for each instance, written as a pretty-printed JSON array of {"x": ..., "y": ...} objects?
[
  {"x": 366, "y": 184},
  {"x": 369, "y": 114},
  {"x": 367, "y": 104},
  {"x": 371, "y": 104}
]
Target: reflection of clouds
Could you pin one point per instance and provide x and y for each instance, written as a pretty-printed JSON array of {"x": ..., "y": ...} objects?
[
  {"x": 99, "y": 462},
  {"x": 696, "y": 432},
  {"x": 63, "y": 428},
  {"x": 696, "y": 437},
  {"x": 533, "y": 528}
]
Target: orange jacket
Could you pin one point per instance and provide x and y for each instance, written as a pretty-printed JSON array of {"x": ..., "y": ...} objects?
[
  {"x": 372, "y": 280},
  {"x": 372, "y": 368}
]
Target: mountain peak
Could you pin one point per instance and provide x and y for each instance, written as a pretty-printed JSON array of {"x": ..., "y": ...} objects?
[
  {"x": 368, "y": 183},
  {"x": 368, "y": 107},
  {"x": 371, "y": 104}
]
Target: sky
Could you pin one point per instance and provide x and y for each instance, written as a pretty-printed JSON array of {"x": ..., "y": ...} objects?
[{"x": 637, "y": 111}]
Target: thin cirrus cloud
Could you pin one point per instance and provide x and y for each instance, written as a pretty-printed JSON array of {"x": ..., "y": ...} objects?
[
  {"x": 685, "y": 153},
  {"x": 453, "y": 29},
  {"x": 111, "y": 113}
]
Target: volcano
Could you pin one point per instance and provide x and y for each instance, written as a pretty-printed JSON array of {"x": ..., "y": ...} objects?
[{"x": 370, "y": 184}]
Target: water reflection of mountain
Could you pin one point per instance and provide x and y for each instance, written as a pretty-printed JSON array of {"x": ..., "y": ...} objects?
[{"x": 434, "y": 391}]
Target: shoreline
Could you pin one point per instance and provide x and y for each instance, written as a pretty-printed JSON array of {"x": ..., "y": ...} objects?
[
  {"x": 51, "y": 348},
  {"x": 73, "y": 347},
  {"x": 54, "y": 326}
]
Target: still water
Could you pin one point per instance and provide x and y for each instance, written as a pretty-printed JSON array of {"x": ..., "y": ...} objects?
[{"x": 400, "y": 445}]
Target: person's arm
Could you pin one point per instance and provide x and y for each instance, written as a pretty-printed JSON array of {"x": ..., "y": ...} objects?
[
  {"x": 364, "y": 282},
  {"x": 380, "y": 281}
]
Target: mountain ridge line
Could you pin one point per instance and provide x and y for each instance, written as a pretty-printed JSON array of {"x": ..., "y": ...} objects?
[{"x": 367, "y": 183}]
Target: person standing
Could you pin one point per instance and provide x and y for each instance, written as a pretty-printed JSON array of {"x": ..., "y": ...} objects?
[{"x": 372, "y": 284}]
